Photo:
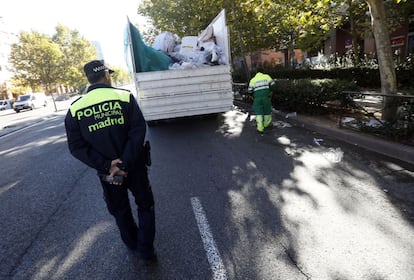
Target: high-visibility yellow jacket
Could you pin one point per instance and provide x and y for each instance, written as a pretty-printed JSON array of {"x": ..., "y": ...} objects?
[
  {"x": 103, "y": 125},
  {"x": 260, "y": 84}
]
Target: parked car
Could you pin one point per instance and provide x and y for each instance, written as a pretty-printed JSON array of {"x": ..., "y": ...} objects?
[
  {"x": 5, "y": 104},
  {"x": 30, "y": 101}
]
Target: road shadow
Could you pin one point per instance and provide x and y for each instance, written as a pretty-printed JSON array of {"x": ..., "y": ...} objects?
[{"x": 277, "y": 206}]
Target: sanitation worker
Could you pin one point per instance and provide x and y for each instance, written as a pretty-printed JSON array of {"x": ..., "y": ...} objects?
[
  {"x": 260, "y": 86},
  {"x": 106, "y": 130}
]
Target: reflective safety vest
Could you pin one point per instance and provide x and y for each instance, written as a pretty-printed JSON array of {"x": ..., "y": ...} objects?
[{"x": 260, "y": 83}]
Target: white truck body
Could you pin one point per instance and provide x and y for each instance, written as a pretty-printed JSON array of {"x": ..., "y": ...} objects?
[{"x": 188, "y": 92}]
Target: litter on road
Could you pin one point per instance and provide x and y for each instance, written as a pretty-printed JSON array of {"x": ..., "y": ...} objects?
[
  {"x": 281, "y": 124},
  {"x": 291, "y": 115},
  {"x": 334, "y": 155},
  {"x": 317, "y": 141}
]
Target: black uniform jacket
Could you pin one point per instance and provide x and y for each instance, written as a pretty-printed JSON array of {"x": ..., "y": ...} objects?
[{"x": 106, "y": 124}]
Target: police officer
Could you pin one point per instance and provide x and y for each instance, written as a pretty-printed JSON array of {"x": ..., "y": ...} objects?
[
  {"x": 106, "y": 130},
  {"x": 260, "y": 85}
]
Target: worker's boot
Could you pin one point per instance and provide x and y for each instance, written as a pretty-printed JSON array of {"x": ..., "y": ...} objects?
[
  {"x": 268, "y": 121},
  {"x": 259, "y": 123}
]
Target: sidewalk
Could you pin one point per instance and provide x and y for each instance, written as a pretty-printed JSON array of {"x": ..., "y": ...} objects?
[{"x": 328, "y": 127}]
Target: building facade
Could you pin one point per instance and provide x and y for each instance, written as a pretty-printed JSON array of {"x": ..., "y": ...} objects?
[{"x": 402, "y": 41}]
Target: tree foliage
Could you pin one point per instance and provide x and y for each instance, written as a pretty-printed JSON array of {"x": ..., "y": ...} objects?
[
  {"x": 40, "y": 61},
  {"x": 182, "y": 17},
  {"x": 76, "y": 52},
  {"x": 189, "y": 18},
  {"x": 120, "y": 76},
  {"x": 285, "y": 24},
  {"x": 254, "y": 24},
  {"x": 269, "y": 24},
  {"x": 34, "y": 60}
]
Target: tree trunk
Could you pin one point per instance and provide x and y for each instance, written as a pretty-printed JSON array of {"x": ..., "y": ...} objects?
[
  {"x": 354, "y": 35},
  {"x": 384, "y": 55},
  {"x": 286, "y": 57}
]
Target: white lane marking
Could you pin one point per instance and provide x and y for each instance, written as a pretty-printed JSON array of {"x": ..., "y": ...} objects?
[{"x": 213, "y": 255}]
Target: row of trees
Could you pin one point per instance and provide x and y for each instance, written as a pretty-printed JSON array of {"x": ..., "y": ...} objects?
[
  {"x": 273, "y": 24},
  {"x": 39, "y": 61},
  {"x": 281, "y": 24}
]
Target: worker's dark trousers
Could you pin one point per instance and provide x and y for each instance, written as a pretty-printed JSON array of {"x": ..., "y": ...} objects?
[{"x": 117, "y": 202}]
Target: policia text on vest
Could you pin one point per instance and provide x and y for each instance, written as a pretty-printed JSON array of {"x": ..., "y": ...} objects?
[{"x": 105, "y": 113}]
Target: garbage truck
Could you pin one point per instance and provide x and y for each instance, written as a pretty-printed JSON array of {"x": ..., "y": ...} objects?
[{"x": 165, "y": 91}]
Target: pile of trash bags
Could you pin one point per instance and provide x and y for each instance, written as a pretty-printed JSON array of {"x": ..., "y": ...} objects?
[
  {"x": 170, "y": 52},
  {"x": 190, "y": 51}
]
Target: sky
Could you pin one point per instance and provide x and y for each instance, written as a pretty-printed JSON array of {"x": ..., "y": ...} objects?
[{"x": 96, "y": 20}]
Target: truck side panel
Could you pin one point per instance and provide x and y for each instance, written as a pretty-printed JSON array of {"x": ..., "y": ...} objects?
[{"x": 186, "y": 92}]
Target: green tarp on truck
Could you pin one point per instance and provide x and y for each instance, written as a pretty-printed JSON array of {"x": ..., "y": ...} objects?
[{"x": 146, "y": 58}]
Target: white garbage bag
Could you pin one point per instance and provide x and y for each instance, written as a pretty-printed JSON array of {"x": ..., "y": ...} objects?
[{"x": 166, "y": 42}]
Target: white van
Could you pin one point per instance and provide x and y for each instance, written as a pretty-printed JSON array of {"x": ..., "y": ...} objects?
[
  {"x": 30, "y": 101},
  {"x": 5, "y": 104}
]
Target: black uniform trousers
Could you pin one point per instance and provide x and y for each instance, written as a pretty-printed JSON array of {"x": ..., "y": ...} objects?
[{"x": 139, "y": 238}]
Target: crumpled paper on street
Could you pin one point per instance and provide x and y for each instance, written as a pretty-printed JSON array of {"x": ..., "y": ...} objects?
[
  {"x": 281, "y": 124},
  {"x": 334, "y": 155}
]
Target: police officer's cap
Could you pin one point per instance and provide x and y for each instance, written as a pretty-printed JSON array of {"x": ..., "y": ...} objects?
[{"x": 95, "y": 67}]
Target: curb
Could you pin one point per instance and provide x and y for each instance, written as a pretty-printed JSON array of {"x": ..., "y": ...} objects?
[{"x": 390, "y": 149}]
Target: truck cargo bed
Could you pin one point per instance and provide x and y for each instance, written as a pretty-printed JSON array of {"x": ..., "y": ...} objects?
[{"x": 165, "y": 94}]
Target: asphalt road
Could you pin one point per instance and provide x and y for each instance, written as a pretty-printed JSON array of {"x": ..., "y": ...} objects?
[{"x": 230, "y": 204}]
